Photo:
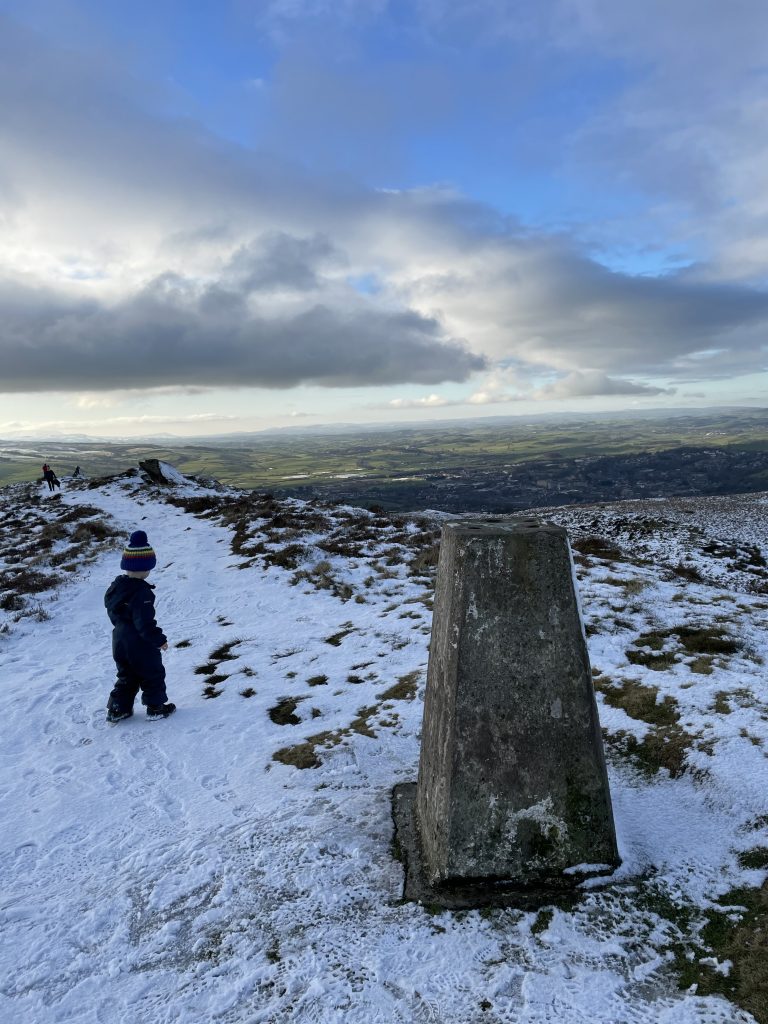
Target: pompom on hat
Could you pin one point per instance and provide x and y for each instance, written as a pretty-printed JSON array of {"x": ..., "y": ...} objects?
[{"x": 138, "y": 556}]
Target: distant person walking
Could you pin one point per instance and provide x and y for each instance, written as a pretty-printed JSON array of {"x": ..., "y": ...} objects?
[
  {"x": 77, "y": 474},
  {"x": 50, "y": 477},
  {"x": 137, "y": 640}
]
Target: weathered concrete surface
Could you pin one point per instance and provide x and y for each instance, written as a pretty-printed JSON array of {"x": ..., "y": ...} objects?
[
  {"x": 562, "y": 892},
  {"x": 512, "y": 782}
]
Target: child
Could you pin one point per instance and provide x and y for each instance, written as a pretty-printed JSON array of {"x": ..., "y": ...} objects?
[{"x": 136, "y": 639}]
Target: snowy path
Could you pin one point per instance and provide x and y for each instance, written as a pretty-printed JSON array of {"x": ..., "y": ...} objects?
[
  {"x": 125, "y": 836},
  {"x": 173, "y": 872}
]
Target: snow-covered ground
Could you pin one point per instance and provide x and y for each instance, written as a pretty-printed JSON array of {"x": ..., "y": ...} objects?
[{"x": 175, "y": 871}]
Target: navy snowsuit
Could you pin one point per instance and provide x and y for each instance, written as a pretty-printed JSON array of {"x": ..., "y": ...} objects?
[{"x": 136, "y": 643}]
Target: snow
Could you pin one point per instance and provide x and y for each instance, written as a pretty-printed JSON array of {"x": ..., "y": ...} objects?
[
  {"x": 171, "y": 474},
  {"x": 174, "y": 871}
]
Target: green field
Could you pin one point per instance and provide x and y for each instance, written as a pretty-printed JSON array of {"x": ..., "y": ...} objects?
[{"x": 291, "y": 461}]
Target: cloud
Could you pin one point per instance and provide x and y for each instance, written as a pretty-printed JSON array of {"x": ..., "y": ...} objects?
[
  {"x": 540, "y": 302},
  {"x": 280, "y": 261},
  {"x": 492, "y": 398},
  {"x": 435, "y": 401},
  {"x": 427, "y": 402},
  {"x": 198, "y": 417},
  {"x": 139, "y": 250},
  {"x": 593, "y": 383},
  {"x": 147, "y": 420},
  {"x": 121, "y": 396},
  {"x": 689, "y": 127},
  {"x": 580, "y": 384},
  {"x": 176, "y": 332},
  {"x": 94, "y": 402}
]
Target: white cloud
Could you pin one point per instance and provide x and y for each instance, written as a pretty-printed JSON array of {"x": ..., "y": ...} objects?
[
  {"x": 123, "y": 422},
  {"x": 427, "y": 402},
  {"x": 593, "y": 383},
  {"x": 94, "y": 402},
  {"x": 492, "y": 398}
]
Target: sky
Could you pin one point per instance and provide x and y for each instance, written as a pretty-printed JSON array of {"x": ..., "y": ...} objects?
[{"x": 232, "y": 216}]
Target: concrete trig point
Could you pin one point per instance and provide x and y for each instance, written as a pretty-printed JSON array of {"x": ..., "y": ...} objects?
[{"x": 512, "y": 793}]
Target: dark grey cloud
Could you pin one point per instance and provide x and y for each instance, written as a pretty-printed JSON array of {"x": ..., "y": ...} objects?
[
  {"x": 173, "y": 332},
  {"x": 638, "y": 324},
  {"x": 280, "y": 261}
]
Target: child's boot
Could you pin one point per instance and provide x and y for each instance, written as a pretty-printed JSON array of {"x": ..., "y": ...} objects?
[
  {"x": 160, "y": 710},
  {"x": 116, "y": 714}
]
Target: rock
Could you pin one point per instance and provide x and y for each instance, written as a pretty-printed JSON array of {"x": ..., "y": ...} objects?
[{"x": 153, "y": 469}]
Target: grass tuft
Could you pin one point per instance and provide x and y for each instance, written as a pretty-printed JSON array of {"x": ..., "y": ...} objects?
[
  {"x": 641, "y": 702},
  {"x": 755, "y": 859},
  {"x": 301, "y": 755},
  {"x": 283, "y": 713},
  {"x": 404, "y": 689}
]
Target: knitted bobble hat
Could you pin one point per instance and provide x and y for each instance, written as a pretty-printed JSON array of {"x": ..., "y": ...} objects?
[{"x": 138, "y": 556}]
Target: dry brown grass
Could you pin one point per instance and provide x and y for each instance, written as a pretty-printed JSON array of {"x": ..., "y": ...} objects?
[
  {"x": 404, "y": 689},
  {"x": 642, "y": 702},
  {"x": 665, "y": 745},
  {"x": 300, "y": 755},
  {"x": 597, "y": 547},
  {"x": 660, "y": 649}
]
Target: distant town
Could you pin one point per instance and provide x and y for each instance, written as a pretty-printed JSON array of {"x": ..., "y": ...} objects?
[{"x": 676, "y": 472}]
